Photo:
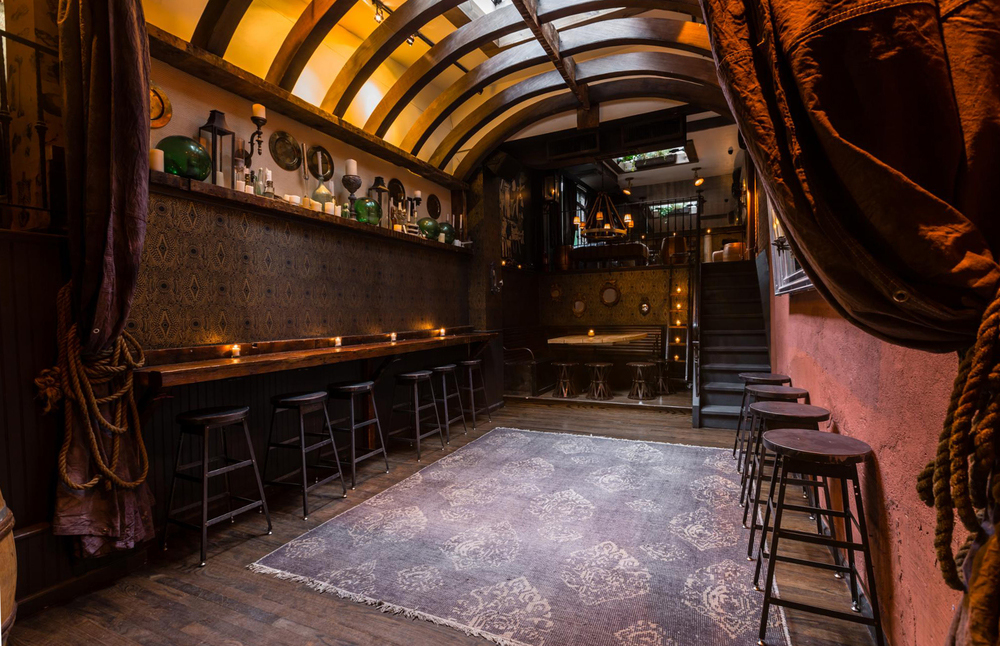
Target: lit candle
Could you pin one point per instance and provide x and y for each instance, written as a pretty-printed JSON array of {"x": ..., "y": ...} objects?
[
  {"x": 397, "y": 227},
  {"x": 259, "y": 111},
  {"x": 678, "y": 305},
  {"x": 317, "y": 206},
  {"x": 337, "y": 341},
  {"x": 392, "y": 337},
  {"x": 338, "y": 210},
  {"x": 590, "y": 333},
  {"x": 441, "y": 331},
  {"x": 416, "y": 194},
  {"x": 677, "y": 322},
  {"x": 350, "y": 167},
  {"x": 441, "y": 237},
  {"x": 330, "y": 208},
  {"x": 236, "y": 349},
  {"x": 156, "y": 159}
]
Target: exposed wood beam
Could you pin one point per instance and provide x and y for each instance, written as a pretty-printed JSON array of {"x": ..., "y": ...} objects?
[
  {"x": 699, "y": 71},
  {"x": 657, "y": 32},
  {"x": 314, "y": 23},
  {"x": 218, "y": 23},
  {"x": 610, "y": 91},
  {"x": 213, "y": 69},
  {"x": 548, "y": 37}
]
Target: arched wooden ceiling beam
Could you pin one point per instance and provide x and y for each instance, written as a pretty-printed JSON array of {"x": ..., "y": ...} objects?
[
  {"x": 698, "y": 71},
  {"x": 218, "y": 24},
  {"x": 469, "y": 37},
  {"x": 390, "y": 34},
  {"x": 611, "y": 91},
  {"x": 662, "y": 32},
  {"x": 308, "y": 32}
]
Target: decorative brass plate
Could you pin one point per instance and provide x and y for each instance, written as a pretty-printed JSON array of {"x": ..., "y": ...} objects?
[
  {"x": 313, "y": 155},
  {"x": 160, "y": 110},
  {"x": 285, "y": 150}
]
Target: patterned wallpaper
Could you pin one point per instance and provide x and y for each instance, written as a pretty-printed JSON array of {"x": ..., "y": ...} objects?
[
  {"x": 653, "y": 283},
  {"x": 219, "y": 274}
]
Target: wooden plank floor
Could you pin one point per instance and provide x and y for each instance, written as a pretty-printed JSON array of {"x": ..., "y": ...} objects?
[{"x": 172, "y": 601}]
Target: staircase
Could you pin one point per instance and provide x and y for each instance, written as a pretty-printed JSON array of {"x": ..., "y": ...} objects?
[{"x": 732, "y": 340}]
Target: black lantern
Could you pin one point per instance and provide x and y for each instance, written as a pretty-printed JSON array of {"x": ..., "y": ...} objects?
[
  {"x": 377, "y": 191},
  {"x": 214, "y": 132}
]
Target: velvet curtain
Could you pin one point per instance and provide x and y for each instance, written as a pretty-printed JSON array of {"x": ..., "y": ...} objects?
[
  {"x": 104, "y": 60},
  {"x": 875, "y": 125}
]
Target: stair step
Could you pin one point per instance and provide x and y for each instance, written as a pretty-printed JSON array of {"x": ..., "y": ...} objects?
[
  {"x": 727, "y": 411},
  {"x": 724, "y": 387},
  {"x": 737, "y": 367},
  {"x": 735, "y": 348}
]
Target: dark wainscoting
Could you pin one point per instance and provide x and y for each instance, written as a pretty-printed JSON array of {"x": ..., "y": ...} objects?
[{"x": 655, "y": 283}]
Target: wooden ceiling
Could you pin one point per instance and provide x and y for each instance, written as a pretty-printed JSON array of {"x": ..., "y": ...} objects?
[{"x": 659, "y": 51}]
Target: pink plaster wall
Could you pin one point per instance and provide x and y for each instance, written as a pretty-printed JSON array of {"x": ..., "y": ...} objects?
[{"x": 894, "y": 399}]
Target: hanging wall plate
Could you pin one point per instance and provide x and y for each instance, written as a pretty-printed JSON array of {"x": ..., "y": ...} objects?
[
  {"x": 285, "y": 150},
  {"x": 579, "y": 306},
  {"x": 433, "y": 206},
  {"x": 313, "y": 157},
  {"x": 160, "y": 110},
  {"x": 396, "y": 191}
]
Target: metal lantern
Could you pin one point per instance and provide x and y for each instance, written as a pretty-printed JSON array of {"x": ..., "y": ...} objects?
[
  {"x": 377, "y": 191},
  {"x": 604, "y": 223},
  {"x": 215, "y": 132}
]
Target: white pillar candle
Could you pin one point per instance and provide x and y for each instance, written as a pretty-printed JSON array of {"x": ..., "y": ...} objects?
[
  {"x": 416, "y": 194},
  {"x": 350, "y": 167},
  {"x": 317, "y": 206},
  {"x": 338, "y": 210},
  {"x": 441, "y": 237},
  {"x": 259, "y": 111},
  {"x": 330, "y": 208},
  {"x": 241, "y": 186},
  {"x": 220, "y": 178},
  {"x": 156, "y": 159}
]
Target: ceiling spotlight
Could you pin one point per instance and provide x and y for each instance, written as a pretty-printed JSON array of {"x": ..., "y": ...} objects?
[
  {"x": 379, "y": 14},
  {"x": 409, "y": 40},
  {"x": 628, "y": 189},
  {"x": 698, "y": 181}
]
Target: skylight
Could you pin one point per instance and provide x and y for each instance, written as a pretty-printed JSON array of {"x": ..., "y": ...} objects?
[{"x": 657, "y": 158}]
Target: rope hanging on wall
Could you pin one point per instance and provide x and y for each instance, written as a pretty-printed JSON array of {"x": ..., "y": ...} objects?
[
  {"x": 961, "y": 478},
  {"x": 75, "y": 379}
]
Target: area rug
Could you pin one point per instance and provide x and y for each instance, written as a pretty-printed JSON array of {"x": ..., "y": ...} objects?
[{"x": 550, "y": 539}]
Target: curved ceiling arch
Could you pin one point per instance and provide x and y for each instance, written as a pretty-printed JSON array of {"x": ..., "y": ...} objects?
[
  {"x": 697, "y": 71},
  {"x": 314, "y": 23},
  {"x": 218, "y": 23},
  {"x": 502, "y": 22},
  {"x": 660, "y": 32},
  {"x": 610, "y": 91}
]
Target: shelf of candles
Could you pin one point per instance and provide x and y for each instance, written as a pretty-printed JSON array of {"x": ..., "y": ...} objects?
[{"x": 171, "y": 184}]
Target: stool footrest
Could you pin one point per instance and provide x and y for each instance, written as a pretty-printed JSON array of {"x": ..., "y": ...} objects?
[
  {"x": 805, "y": 537},
  {"x": 233, "y": 513},
  {"x": 806, "y": 562},
  {"x": 826, "y": 612}
]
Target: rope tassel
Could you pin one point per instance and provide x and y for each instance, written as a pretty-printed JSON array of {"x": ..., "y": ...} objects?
[{"x": 75, "y": 379}]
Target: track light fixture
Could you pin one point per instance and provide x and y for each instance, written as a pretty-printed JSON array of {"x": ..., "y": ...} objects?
[
  {"x": 379, "y": 13},
  {"x": 628, "y": 189},
  {"x": 409, "y": 40},
  {"x": 698, "y": 181}
]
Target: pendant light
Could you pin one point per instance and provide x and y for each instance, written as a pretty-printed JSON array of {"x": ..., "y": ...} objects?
[{"x": 698, "y": 181}]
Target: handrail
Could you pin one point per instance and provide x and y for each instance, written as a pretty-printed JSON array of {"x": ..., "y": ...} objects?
[{"x": 694, "y": 332}]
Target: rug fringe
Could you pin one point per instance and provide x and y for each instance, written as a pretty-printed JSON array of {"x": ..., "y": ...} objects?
[{"x": 383, "y": 606}]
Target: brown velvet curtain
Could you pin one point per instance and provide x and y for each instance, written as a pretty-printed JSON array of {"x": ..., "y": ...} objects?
[
  {"x": 104, "y": 58},
  {"x": 875, "y": 125}
]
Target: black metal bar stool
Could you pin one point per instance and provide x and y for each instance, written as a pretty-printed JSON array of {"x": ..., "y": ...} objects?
[
  {"x": 762, "y": 378},
  {"x": 202, "y": 422},
  {"x": 599, "y": 388},
  {"x": 819, "y": 455},
  {"x": 754, "y": 392},
  {"x": 348, "y": 393},
  {"x": 412, "y": 407},
  {"x": 304, "y": 404},
  {"x": 767, "y": 415},
  {"x": 662, "y": 378},
  {"x": 443, "y": 372},
  {"x": 640, "y": 389},
  {"x": 564, "y": 382},
  {"x": 473, "y": 367}
]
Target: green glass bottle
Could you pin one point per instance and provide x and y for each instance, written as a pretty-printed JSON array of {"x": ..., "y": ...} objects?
[{"x": 185, "y": 157}]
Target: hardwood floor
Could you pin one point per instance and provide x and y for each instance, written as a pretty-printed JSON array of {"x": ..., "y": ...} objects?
[{"x": 172, "y": 601}]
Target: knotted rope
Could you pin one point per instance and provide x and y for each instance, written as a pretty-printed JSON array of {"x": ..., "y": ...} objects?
[{"x": 74, "y": 379}]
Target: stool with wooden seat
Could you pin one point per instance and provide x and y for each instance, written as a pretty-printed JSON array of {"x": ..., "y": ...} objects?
[
  {"x": 444, "y": 372},
  {"x": 754, "y": 392},
  {"x": 760, "y": 378},
  {"x": 413, "y": 406},
  {"x": 599, "y": 388},
  {"x": 349, "y": 393},
  {"x": 819, "y": 455},
  {"x": 564, "y": 382},
  {"x": 767, "y": 415},
  {"x": 472, "y": 368},
  {"x": 662, "y": 378},
  {"x": 304, "y": 404},
  {"x": 640, "y": 389},
  {"x": 202, "y": 422}
]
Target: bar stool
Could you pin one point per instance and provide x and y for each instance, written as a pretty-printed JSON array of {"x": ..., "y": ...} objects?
[
  {"x": 348, "y": 393},
  {"x": 820, "y": 455},
  {"x": 640, "y": 389},
  {"x": 754, "y": 392},
  {"x": 564, "y": 382},
  {"x": 762, "y": 378},
  {"x": 474, "y": 367},
  {"x": 442, "y": 401},
  {"x": 662, "y": 379},
  {"x": 202, "y": 422},
  {"x": 304, "y": 404},
  {"x": 599, "y": 388},
  {"x": 411, "y": 405},
  {"x": 777, "y": 414}
]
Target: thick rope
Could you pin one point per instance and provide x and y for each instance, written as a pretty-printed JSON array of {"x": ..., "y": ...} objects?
[{"x": 74, "y": 379}]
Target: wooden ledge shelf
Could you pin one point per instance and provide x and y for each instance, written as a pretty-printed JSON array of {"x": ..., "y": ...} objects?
[{"x": 167, "y": 184}]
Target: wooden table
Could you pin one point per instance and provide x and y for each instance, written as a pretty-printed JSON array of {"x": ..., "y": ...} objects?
[{"x": 598, "y": 339}]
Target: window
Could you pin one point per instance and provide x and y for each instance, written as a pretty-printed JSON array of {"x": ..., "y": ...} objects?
[{"x": 789, "y": 276}]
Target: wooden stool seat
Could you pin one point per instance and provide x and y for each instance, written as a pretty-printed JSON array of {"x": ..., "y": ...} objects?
[
  {"x": 773, "y": 378},
  {"x": 416, "y": 375},
  {"x": 471, "y": 362},
  {"x": 816, "y": 446},
  {"x": 295, "y": 400},
  {"x": 350, "y": 389},
  {"x": 448, "y": 367},
  {"x": 214, "y": 416},
  {"x": 784, "y": 411},
  {"x": 768, "y": 392}
]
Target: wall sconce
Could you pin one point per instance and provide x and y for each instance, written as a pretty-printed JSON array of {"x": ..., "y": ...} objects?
[
  {"x": 235, "y": 350},
  {"x": 552, "y": 188}
]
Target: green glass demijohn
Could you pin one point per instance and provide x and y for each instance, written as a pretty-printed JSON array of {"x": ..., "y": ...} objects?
[
  {"x": 185, "y": 157},
  {"x": 429, "y": 227},
  {"x": 448, "y": 231},
  {"x": 367, "y": 210}
]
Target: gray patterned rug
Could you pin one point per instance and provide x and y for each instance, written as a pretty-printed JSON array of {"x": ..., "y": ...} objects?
[{"x": 549, "y": 539}]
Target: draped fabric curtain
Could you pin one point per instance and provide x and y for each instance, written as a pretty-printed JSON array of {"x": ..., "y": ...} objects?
[
  {"x": 104, "y": 65},
  {"x": 875, "y": 125}
]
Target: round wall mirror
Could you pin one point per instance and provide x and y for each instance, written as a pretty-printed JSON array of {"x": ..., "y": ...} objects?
[
  {"x": 644, "y": 307},
  {"x": 555, "y": 291},
  {"x": 579, "y": 307},
  {"x": 610, "y": 294}
]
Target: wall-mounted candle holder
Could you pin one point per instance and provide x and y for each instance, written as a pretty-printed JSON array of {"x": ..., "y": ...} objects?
[{"x": 259, "y": 118}]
